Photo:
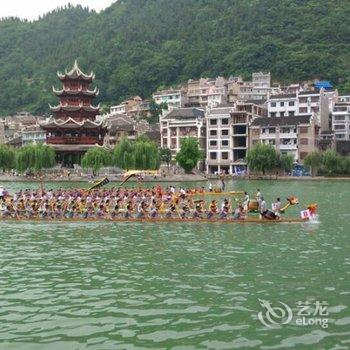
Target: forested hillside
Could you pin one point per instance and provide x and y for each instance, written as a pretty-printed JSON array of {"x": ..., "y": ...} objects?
[{"x": 137, "y": 46}]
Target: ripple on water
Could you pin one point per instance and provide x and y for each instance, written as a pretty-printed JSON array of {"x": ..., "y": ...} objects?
[{"x": 109, "y": 286}]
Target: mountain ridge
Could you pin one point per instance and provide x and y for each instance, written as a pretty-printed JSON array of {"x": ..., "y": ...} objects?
[{"x": 136, "y": 46}]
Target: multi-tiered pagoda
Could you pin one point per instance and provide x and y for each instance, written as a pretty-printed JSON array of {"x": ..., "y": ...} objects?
[{"x": 73, "y": 128}]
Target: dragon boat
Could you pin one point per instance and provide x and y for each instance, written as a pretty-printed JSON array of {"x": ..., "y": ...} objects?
[{"x": 248, "y": 220}]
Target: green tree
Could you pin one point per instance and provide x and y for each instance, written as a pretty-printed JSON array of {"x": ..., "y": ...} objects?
[
  {"x": 331, "y": 162},
  {"x": 285, "y": 162},
  {"x": 165, "y": 156},
  {"x": 124, "y": 155},
  {"x": 96, "y": 158},
  {"x": 189, "y": 154},
  {"x": 262, "y": 158},
  {"x": 140, "y": 155},
  {"x": 156, "y": 110},
  {"x": 314, "y": 161},
  {"x": 35, "y": 157},
  {"x": 7, "y": 157}
]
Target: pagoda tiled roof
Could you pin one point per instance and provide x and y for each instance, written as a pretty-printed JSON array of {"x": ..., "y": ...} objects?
[
  {"x": 73, "y": 108},
  {"x": 70, "y": 123},
  {"x": 76, "y": 73},
  {"x": 64, "y": 91}
]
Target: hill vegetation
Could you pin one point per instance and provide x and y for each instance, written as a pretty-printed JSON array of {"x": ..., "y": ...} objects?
[{"x": 137, "y": 46}]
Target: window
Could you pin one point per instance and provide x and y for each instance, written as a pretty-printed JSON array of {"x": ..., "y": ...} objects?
[
  {"x": 224, "y": 143},
  {"x": 273, "y": 114},
  {"x": 304, "y": 141},
  {"x": 282, "y": 104},
  {"x": 213, "y": 122},
  {"x": 339, "y": 117},
  {"x": 273, "y": 104},
  {"x": 224, "y": 121},
  {"x": 224, "y": 155},
  {"x": 303, "y": 110},
  {"x": 339, "y": 127},
  {"x": 291, "y": 103},
  {"x": 213, "y": 143},
  {"x": 213, "y": 133},
  {"x": 213, "y": 155},
  {"x": 224, "y": 132},
  {"x": 303, "y": 129},
  {"x": 291, "y": 113},
  {"x": 272, "y": 130}
]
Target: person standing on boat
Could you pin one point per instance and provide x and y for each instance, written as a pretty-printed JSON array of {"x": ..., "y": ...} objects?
[
  {"x": 245, "y": 203},
  {"x": 210, "y": 187},
  {"x": 276, "y": 207},
  {"x": 2, "y": 194},
  {"x": 262, "y": 207}
]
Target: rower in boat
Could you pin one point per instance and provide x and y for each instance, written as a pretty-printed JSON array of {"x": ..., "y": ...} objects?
[
  {"x": 141, "y": 210},
  {"x": 213, "y": 209},
  {"x": 170, "y": 211},
  {"x": 129, "y": 210},
  {"x": 225, "y": 209},
  {"x": 238, "y": 214},
  {"x": 197, "y": 214}
]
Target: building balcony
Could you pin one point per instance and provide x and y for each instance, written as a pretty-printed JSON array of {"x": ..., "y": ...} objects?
[
  {"x": 289, "y": 146},
  {"x": 267, "y": 136},
  {"x": 82, "y": 140},
  {"x": 290, "y": 135},
  {"x": 224, "y": 161}
]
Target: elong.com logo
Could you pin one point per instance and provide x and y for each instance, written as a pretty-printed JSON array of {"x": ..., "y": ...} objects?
[{"x": 308, "y": 314}]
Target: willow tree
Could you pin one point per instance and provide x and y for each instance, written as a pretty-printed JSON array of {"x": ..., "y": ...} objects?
[
  {"x": 189, "y": 154},
  {"x": 314, "y": 161},
  {"x": 262, "y": 158},
  {"x": 124, "y": 155},
  {"x": 96, "y": 158},
  {"x": 285, "y": 162},
  {"x": 35, "y": 157},
  {"x": 165, "y": 156},
  {"x": 7, "y": 158},
  {"x": 141, "y": 155},
  {"x": 146, "y": 154}
]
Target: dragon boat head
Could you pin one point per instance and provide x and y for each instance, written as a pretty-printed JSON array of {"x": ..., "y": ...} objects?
[
  {"x": 312, "y": 208},
  {"x": 293, "y": 200}
]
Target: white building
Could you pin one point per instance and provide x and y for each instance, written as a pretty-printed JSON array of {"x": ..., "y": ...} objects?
[
  {"x": 180, "y": 123},
  {"x": 282, "y": 105},
  {"x": 341, "y": 119},
  {"x": 173, "y": 98},
  {"x": 119, "y": 109},
  {"x": 219, "y": 139},
  {"x": 262, "y": 88},
  {"x": 228, "y": 135}
]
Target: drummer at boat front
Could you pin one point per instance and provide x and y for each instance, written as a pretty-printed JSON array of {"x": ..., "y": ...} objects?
[{"x": 258, "y": 196}]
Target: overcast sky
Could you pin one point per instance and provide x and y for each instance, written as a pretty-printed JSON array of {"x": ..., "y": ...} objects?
[{"x": 32, "y": 9}]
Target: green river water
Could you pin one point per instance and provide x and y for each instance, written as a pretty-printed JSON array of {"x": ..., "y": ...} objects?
[{"x": 178, "y": 286}]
